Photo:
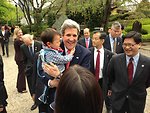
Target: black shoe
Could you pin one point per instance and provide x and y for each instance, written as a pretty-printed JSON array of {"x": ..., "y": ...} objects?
[{"x": 33, "y": 107}]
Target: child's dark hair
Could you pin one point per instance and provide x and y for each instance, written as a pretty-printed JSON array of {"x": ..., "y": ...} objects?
[{"x": 48, "y": 35}]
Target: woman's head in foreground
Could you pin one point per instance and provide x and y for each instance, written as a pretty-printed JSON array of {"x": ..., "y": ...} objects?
[{"x": 78, "y": 92}]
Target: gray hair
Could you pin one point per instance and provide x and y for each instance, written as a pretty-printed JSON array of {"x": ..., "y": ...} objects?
[
  {"x": 27, "y": 36},
  {"x": 116, "y": 25},
  {"x": 69, "y": 24}
]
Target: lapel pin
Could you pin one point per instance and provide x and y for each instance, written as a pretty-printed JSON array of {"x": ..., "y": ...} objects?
[
  {"x": 142, "y": 65},
  {"x": 77, "y": 57},
  {"x": 35, "y": 48}
]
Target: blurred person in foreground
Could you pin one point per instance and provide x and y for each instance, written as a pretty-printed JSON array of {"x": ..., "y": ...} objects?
[
  {"x": 77, "y": 92},
  {"x": 3, "y": 92}
]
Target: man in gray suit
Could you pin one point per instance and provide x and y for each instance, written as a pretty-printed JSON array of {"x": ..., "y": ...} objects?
[
  {"x": 129, "y": 76},
  {"x": 113, "y": 42}
]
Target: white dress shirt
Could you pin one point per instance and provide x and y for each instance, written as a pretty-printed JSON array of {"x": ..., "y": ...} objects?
[{"x": 101, "y": 60}]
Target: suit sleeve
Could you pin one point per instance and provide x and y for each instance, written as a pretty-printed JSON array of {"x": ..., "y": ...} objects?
[{"x": 110, "y": 73}]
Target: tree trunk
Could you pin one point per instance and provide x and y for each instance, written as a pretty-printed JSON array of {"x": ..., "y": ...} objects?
[{"x": 106, "y": 13}]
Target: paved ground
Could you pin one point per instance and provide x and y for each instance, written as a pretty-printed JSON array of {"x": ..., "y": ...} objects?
[{"x": 21, "y": 103}]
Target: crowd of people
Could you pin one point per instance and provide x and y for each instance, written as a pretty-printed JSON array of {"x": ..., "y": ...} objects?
[{"x": 70, "y": 75}]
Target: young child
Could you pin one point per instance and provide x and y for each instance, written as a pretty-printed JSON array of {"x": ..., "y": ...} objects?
[{"x": 52, "y": 52}]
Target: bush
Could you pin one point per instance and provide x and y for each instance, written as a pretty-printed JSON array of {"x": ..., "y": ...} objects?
[
  {"x": 144, "y": 32},
  {"x": 118, "y": 16},
  {"x": 146, "y": 37},
  {"x": 128, "y": 29},
  {"x": 135, "y": 15}
]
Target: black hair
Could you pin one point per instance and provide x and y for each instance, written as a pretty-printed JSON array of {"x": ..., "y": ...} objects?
[
  {"x": 102, "y": 34},
  {"x": 135, "y": 35},
  {"x": 48, "y": 35}
]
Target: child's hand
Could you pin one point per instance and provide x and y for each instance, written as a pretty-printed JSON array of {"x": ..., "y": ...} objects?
[{"x": 72, "y": 51}]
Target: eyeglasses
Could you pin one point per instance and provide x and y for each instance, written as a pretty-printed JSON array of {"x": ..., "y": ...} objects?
[
  {"x": 69, "y": 35},
  {"x": 128, "y": 44}
]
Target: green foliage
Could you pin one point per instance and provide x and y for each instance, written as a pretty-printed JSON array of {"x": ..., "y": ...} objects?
[
  {"x": 144, "y": 30},
  {"x": 7, "y": 12},
  {"x": 144, "y": 21},
  {"x": 51, "y": 19},
  {"x": 36, "y": 31},
  {"x": 147, "y": 27},
  {"x": 86, "y": 12},
  {"x": 144, "y": 8},
  {"x": 128, "y": 29},
  {"x": 89, "y": 17},
  {"x": 146, "y": 37},
  {"x": 118, "y": 17},
  {"x": 135, "y": 15}
]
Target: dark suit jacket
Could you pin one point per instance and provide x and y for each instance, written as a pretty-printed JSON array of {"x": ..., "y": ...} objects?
[
  {"x": 107, "y": 56},
  {"x": 28, "y": 58},
  {"x": 18, "y": 52},
  {"x": 5, "y": 37},
  {"x": 3, "y": 93},
  {"x": 81, "y": 41},
  {"x": 118, "y": 82},
  {"x": 107, "y": 45}
]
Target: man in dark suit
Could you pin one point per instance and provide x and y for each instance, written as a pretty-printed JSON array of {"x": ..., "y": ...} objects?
[
  {"x": 105, "y": 55},
  {"x": 129, "y": 76},
  {"x": 3, "y": 93},
  {"x": 4, "y": 39},
  {"x": 86, "y": 40},
  {"x": 113, "y": 42},
  {"x": 29, "y": 49},
  {"x": 70, "y": 32}
]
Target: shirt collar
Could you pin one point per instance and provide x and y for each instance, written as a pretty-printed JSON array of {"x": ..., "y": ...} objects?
[
  {"x": 87, "y": 39},
  {"x": 101, "y": 49},
  {"x": 135, "y": 58}
]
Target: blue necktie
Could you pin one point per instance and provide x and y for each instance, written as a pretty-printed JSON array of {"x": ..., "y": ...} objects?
[{"x": 31, "y": 51}]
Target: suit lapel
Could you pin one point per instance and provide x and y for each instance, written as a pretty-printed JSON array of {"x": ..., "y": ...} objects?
[
  {"x": 92, "y": 60},
  {"x": 77, "y": 55},
  {"x": 84, "y": 43},
  {"x": 139, "y": 68},
  {"x": 105, "y": 59}
]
